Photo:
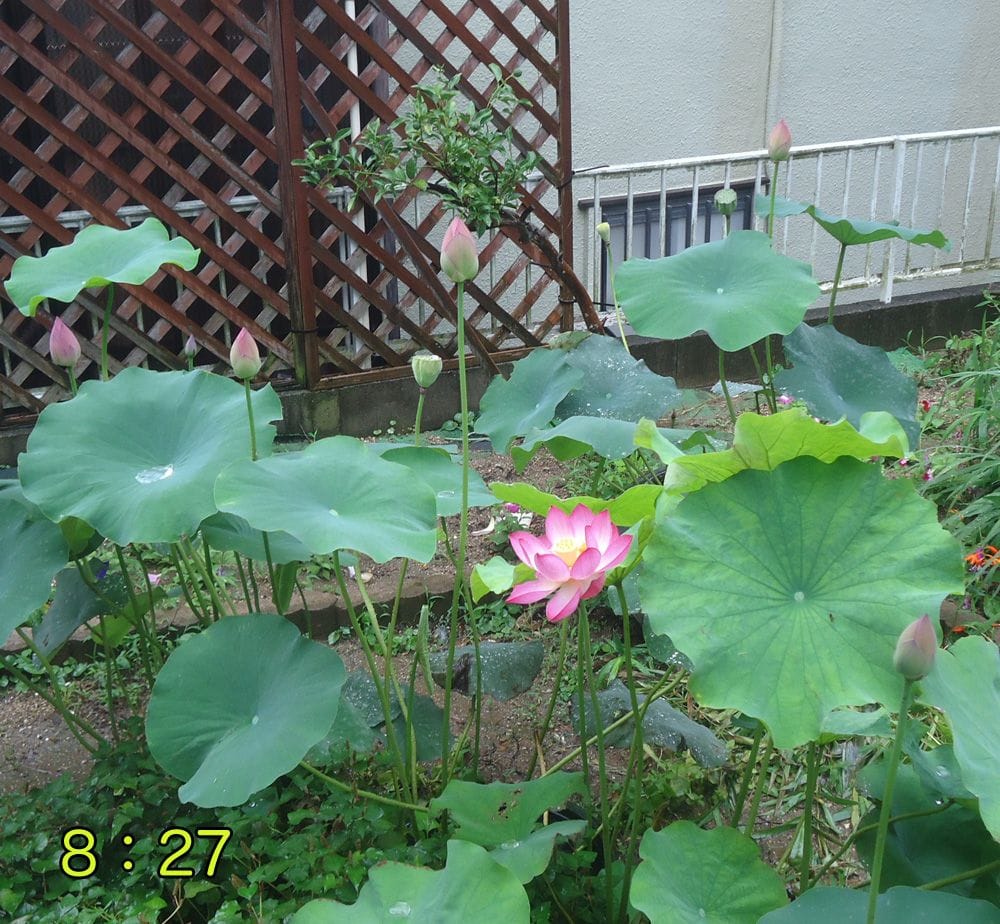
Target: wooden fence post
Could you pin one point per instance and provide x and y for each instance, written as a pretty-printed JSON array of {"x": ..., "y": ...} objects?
[
  {"x": 564, "y": 162},
  {"x": 296, "y": 237}
]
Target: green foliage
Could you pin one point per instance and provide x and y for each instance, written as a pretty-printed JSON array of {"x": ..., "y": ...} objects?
[
  {"x": 239, "y": 704},
  {"x": 738, "y": 290},
  {"x": 475, "y": 168},
  {"x": 335, "y": 494},
  {"x": 294, "y": 841},
  {"x": 732, "y": 885},
  {"x": 837, "y": 377},
  {"x": 98, "y": 256},
  {"x": 771, "y": 582},
  {"x": 137, "y": 457}
]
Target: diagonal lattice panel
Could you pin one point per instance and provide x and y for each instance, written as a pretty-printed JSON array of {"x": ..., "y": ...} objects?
[{"x": 191, "y": 111}]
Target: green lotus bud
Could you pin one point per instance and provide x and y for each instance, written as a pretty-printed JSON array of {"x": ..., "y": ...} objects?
[
  {"x": 604, "y": 232},
  {"x": 426, "y": 368},
  {"x": 915, "y": 649},
  {"x": 725, "y": 201}
]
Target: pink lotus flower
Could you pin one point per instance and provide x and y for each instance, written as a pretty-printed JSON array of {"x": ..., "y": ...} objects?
[
  {"x": 570, "y": 561},
  {"x": 785, "y": 400},
  {"x": 459, "y": 259},
  {"x": 915, "y": 650},
  {"x": 64, "y": 348},
  {"x": 244, "y": 356},
  {"x": 779, "y": 141}
]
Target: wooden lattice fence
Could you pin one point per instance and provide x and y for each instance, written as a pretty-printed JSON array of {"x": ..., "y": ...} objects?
[{"x": 192, "y": 111}]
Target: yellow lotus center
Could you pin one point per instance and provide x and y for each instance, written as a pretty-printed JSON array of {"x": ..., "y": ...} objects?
[{"x": 569, "y": 550}]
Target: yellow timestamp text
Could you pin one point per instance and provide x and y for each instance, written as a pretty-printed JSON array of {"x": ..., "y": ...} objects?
[{"x": 79, "y": 858}]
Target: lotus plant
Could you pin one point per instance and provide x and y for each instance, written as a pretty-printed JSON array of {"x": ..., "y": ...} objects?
[
  {"x": 571, "y": 563},
  {"x": 426, "y": 368},
  {"x": 571, "y": 560},
  {"x": 64, "y": 349},
  {"x": 460, "y": 263}
]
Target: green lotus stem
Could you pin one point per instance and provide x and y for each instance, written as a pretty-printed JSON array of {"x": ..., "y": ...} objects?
[
  {"x": 73, "y": 387},
  {"x": 420, "y": 414},
  {"x": 886, "y": 810},
  {"x": 619, "y": 317},
  {"x": 812, "y": 770},
  {"x": 253, "y": 458},
  {"x": 960, "y": 877},
  {"x": 364, "y": 793},
  {"x": 386, "y": 646},
  {"x": 864, "y": 829},
  {"x": 270, "y": 568},
  {"x": 243, "y": 581},
  {"x": 253, "y": 429},
  {"x": 104, "y": 331},
  {"x": 725, "y": 387},
  {"x": 759, "y": 791},
  {"x": 154, "y": 634},
  {"x": 109, "y": 680},
  {"x": 774, "y": 194},
  {"x": 208, "y": 567},
  {"x": 741, "y": 797},
  {"x": 390, "y": 673},
  {"x": 189, "y": 585},
  {"x": 74, "y": 723},
  {"x": 661, "y": 689},
  {"x": 215, "y": 593},
  {"x": 305, "y": 606},
  {"x": 550, "y": 710},
  {"x": 637, "y": 755},
  {"x": 463, "y": 536},
  {"x": 581, "y": 700},
  {"x": 252, "y": 577},
  {"x": 383, "y": 695},
  {"x": 139, "y": 617},
  {"x": 602, "y": 770},
  {"x": 836, "y": 283}
]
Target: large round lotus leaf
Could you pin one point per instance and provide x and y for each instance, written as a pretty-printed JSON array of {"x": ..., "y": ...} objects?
[
  {"x": 528, "y": 399},
  {"x": 609, "y": 438},
  {"x": 965, "y": 683},
  {"x": 927, "y": 843},
  {"x": 737, "y": 290},
  {"x": 616, "y": 384},
  {"x": 239, "y": 704},
  {"x": 766, "y": 442},
  {"x": 627, "y": 509},
  {"x": 33, "y": 551},
  {"x": 471, "y": 887},
  {"x": 788, "y": 589},
  {"x": 690, "y": 876},
  {"x": 137, "y": 457},
  {"x": 335, "y": 494},
  {"x": 97, "y": 256},
  {"x": 838, "y": 377},
  {"x": 901, "y": 905},
  {"x": 228, "y": 533},
  {"x": 504, "y": 818},
  {"x": 442, "y": 473},
  {"x": 850, "y": 231}
]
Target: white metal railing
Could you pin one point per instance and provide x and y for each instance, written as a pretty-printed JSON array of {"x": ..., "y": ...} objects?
[{"x": 947, "y": 180}]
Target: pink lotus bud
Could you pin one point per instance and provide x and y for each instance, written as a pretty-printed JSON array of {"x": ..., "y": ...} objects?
[
  {"x": 244, "y": 356},
  {"x": 64, "y": 348},
  {"x": 779, "y": 141},
  {"x": 459, "y": 259},
  {"x": 190, "y": 346},
  {"x": 915, "y": 649}
]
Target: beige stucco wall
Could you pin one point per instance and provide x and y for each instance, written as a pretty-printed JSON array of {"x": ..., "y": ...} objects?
[{"x": 654, "y": 79}]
